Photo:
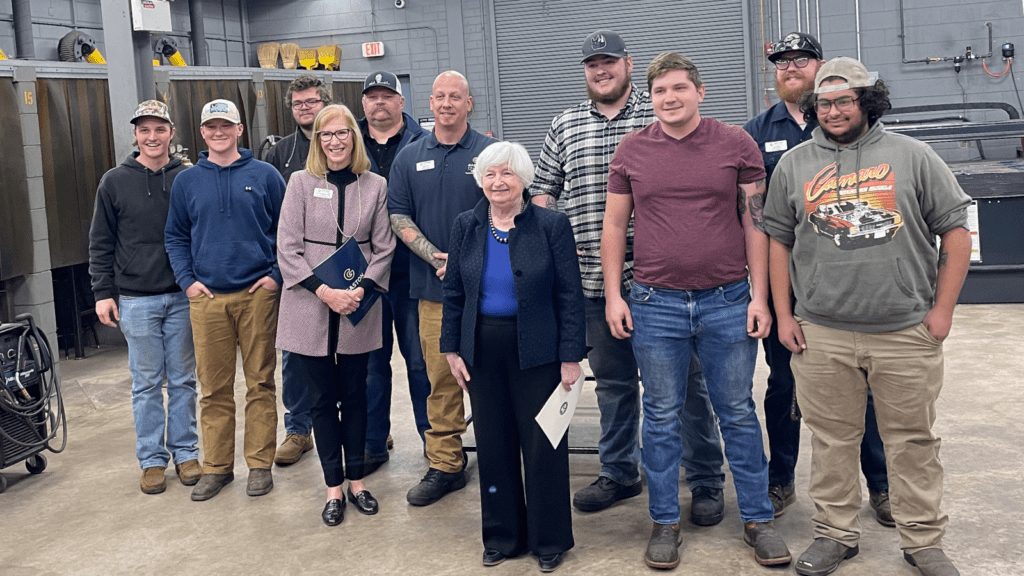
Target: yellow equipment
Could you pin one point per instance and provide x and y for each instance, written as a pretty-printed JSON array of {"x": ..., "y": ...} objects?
[
  {"x": 307, "y": 58},
  {"x": 329, "y": 56},
  {"x": 77, "y": 45},
  {"x": 168, "y": 48}
]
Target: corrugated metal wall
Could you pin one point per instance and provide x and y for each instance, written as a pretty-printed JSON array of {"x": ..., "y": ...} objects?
[{"x": 539, "y": 47}]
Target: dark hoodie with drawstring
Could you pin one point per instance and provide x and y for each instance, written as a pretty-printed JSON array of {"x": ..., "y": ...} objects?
[
  {"x": 126, "y": 240},
  {"x": 222, "y": 224},
  {"x": 867, "y": 261}
]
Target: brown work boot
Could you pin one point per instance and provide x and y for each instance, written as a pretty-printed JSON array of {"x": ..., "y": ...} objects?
[
  {"x": 152, "y": 481},
  {"x": 883, "y": 510},
  {"x": 189, "y": 472},
  {"x": 261, "y": 481},
  {"x": 292, "y": 449}
]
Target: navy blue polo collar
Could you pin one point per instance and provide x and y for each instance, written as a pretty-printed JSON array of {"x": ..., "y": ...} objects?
[
  {"x": 779, "y": 113},
  {"x": 465, "y": 142}
]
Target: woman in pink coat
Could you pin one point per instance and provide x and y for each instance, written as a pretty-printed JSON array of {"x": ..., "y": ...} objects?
[{"x": 336, "y": 199}]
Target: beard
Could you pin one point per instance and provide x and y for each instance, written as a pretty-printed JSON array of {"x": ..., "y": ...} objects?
[
  {"x": 793, "y": 95},
  {"x": 850, "y": 135},
  {"x": 613, "y": 96}
]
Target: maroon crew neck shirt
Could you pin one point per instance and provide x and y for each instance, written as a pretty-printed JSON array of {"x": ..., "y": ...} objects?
[{"x": 688, "y": 233}]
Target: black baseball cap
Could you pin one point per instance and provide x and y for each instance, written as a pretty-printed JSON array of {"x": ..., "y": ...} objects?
[
  {"x": 604, "y": 43},
  {"x": 795, "y": 42},
  {"x": 383, "y": 79}
]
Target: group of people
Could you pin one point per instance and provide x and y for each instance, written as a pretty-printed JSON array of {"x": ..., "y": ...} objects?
[{"x": 652, "y": 241}]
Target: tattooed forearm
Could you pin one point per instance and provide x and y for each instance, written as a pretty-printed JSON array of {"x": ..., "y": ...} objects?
[
  {"x": 943, "y": 258},
  {"x": 741, "y": 201},
  {"x": 413, "y": 237},
  {"x": 545, "y": 201},
  {"x": 756, "y": 202}
]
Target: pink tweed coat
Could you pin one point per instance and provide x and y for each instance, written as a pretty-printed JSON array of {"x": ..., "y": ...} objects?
[{"x": 305, "y": 236}]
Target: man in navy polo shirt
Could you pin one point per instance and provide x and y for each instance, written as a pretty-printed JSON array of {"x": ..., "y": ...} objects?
[
  {"x": 431, "y": 183},
  {"x": 797, "y": 58}
]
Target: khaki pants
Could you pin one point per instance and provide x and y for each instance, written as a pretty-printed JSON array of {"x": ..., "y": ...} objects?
[
  {"x": 444, "y": 405},
  {"x": 903, "y": 370},
  {"x": 218, "y": 325}
]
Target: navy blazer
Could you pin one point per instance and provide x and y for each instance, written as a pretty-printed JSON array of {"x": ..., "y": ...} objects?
[{"x": 550, "y": 320}]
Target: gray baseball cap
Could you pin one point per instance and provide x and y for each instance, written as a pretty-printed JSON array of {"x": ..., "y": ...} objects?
[
  {"x": 855, "y": 74},
  {"x": 604, "y": 43}
]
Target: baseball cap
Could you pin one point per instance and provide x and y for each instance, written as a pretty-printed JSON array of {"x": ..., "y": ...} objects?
[
  {"x": 225, "y": 109},
  {"x": 154, "y": 108},
  {"x": 793, "y": 42},
  {"x": 383, "y": 79},
  {"x": 604, "y": 43},
  {"x": 855, "y": 74}
]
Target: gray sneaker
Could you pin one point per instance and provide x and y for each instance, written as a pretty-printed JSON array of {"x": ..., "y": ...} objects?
[{"x": 663, "y": 547}]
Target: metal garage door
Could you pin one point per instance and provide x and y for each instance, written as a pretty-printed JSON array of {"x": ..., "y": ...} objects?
[{"x": 539, "y": 48}]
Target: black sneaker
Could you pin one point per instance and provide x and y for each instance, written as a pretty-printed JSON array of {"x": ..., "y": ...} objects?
[
  {"x": 603, "y": 493},
  {"x": 434, "y": 486}
]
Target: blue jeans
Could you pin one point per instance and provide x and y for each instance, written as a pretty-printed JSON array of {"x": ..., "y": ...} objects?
[
  {"x": 159, "y": 335},
  {"x": 618, "y": 399},
  {"x": 668, "y": 326},
  {"x": 295, "y": 397},
  {"x": 403, "y": 312}
]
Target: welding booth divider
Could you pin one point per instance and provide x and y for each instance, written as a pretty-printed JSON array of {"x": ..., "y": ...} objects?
[{"x": 15, "y": 209}]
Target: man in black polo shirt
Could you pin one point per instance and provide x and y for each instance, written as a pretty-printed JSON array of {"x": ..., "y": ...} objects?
[
  {"x": 386, "y": 130},
  {"x": 797, "y": 58},
  {"x": 306, "y": 96},
  {"x": 432, "y": 183}
]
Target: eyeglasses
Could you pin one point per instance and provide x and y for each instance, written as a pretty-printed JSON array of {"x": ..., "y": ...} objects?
[
  {"x": 296, "y": 104},
  {"x": 843, "y": 103},
  {"x": 783, "y": 63},
  {"x": 343, "y": 134}
]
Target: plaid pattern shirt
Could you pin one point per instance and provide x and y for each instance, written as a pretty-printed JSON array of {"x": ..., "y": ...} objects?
[{"x": 573, "y": 167}]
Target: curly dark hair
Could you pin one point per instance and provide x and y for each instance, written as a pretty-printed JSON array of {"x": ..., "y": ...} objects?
[
  {"x": 305, "y": 82},
  {"x": 873, "y": 101}
]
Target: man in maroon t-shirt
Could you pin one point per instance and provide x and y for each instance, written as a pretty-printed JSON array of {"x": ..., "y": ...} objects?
[{"x": 696, "y": 190}]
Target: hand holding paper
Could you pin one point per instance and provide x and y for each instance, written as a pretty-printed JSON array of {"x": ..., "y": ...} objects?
[{"x": 555, "y": 415}]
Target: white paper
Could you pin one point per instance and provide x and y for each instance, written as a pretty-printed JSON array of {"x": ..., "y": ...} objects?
[{"x": 556, "y": 413}]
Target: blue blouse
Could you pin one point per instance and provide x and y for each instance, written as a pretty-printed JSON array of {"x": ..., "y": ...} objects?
[{"x": 497, "y": 289}]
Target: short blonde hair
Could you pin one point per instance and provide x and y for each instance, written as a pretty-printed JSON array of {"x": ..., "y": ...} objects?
[
  {"x": 512, "y": 153},
  {"x": 316, "y": 161}
]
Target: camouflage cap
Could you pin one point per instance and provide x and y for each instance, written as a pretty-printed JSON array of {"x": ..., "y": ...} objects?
[{"x": 154, "y": 108}]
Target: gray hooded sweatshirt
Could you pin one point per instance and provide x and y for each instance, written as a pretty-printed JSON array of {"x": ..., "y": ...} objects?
[{"x": 861, "y": 222}]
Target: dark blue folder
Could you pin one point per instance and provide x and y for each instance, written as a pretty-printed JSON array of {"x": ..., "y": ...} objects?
[{"x": 343, "y": 270}]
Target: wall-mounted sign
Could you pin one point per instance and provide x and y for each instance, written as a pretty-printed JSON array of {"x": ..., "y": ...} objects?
[
  {"x": 151, "y": 15},
  {"x": 373, "y": 49}
]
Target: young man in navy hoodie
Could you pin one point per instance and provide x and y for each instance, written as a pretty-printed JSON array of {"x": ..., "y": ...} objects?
[
  {"x": 129, "y": 267},
  {"x": 221, "y": 238}
]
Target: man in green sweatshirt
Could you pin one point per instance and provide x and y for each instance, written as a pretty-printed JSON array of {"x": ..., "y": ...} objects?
[{"x": 853, "y": 214}]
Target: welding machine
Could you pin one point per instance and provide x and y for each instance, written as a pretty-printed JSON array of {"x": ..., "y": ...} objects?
[{"x": 29, "y": 389}]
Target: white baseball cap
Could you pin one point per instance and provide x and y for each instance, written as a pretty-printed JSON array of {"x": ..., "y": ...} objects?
[{"x": 225, "y": 109}]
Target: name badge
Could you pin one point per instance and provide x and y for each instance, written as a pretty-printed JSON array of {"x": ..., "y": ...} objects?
[
  {"x": 777, "y": 146},
  {"x": 425, "y": 165},
  {"x": 325, "y": 193}
]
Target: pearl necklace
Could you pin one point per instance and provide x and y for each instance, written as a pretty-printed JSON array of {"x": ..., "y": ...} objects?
[{"x": 494, "y": 231}]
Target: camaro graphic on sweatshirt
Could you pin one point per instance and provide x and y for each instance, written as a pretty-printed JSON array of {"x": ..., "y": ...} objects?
[{"x": 856, "y": 209}]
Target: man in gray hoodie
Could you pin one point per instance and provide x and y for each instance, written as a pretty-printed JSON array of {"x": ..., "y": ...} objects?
[{"x": 853, "y": 214}]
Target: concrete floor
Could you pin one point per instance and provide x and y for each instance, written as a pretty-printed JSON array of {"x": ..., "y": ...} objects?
[{"x": 86, "y": 515}]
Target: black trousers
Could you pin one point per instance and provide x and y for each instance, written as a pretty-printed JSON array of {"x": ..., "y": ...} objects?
[
  {"x": 505, "y": 401},
  {"x": 333, "y": 380}
]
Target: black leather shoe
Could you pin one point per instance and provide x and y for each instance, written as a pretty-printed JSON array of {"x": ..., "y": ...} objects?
[
  {"x": 493, "y": 557},
  {"x": 435, "y": 485},
  {"x": 364, "y": 501},
  {"x": 334, "y": 512},
  {"x": 549, "y": 563},
  {"x": 603, "y": 493}
]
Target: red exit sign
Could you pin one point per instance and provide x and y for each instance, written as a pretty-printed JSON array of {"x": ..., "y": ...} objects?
[{"x": 373, "y": 49}]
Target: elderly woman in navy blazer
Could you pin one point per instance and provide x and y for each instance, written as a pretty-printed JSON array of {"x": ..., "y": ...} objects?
[
  {"x": 513, "y": 329},
  {"x": 336, "y": 199}
]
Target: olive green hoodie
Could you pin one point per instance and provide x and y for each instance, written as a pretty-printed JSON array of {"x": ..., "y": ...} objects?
[{"x": 861, "y": 221}]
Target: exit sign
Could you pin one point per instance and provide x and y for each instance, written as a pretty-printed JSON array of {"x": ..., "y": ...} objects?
[{"x": 373, "y": 49}]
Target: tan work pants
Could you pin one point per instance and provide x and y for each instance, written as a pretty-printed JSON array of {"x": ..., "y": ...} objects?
[{"x": 445, "y": 409}]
